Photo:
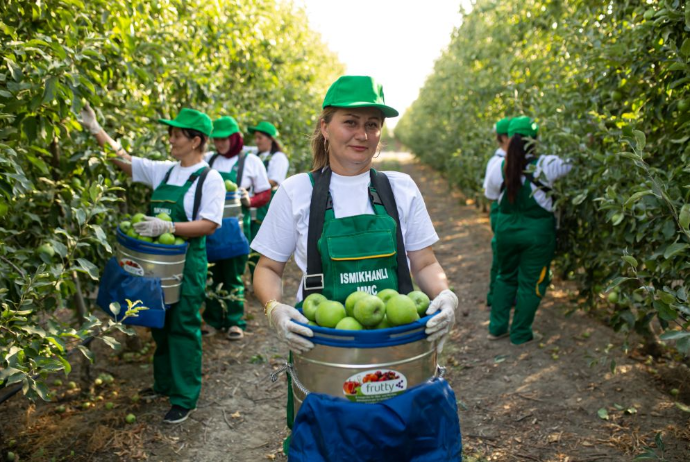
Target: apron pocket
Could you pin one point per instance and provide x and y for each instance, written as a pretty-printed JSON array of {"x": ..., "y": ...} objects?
[{"x": 361, "y": 246}]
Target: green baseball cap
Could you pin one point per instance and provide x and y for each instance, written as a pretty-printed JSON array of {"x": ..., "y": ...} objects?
[
  {"x": 357, "y": 91},
  {"x": 501, "y": 127},
  {"x": 224, "y": 127},
  {"x": 192, "y": 119},
  {"x": 524, "y": 126},
  {"x": 264, "y": 127}
]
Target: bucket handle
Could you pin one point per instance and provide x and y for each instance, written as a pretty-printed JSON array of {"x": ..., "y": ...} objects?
[{"x": 289, "y": 369}]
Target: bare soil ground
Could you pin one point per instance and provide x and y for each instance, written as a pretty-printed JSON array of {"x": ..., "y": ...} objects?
[{"x": 557, "y": 400}]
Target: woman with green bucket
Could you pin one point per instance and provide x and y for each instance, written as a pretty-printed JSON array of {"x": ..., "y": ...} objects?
[
  {"x": 277, "y": 166},
  {"x": 177, "y": 360},
  {"x": 344, "y": 144},
  {"x": 525, "y": 231},
  {"x": 249, "y": 174}
]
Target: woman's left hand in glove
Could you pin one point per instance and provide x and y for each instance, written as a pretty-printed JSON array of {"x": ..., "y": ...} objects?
[
  {"x": 439, "y": 326},
  {"x": 244, "y": 197},
  {"x": 153, "y": 227}
]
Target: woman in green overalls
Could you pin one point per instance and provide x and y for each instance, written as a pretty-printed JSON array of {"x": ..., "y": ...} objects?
[
  {"x": 195, "y": 212},
  {"x": 345, "y": 141},
  {"x": 248, "y": 172},
  {"x": 525, "y": 231},
  {"x": 277, "y": 165}
]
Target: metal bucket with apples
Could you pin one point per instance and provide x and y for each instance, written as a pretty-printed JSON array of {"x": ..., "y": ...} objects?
[{"x": 233, "y": 207}]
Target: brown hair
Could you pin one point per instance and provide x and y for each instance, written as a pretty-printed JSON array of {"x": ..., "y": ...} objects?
[
  {"x": 318, "y": 142},
  {"x": 519, "y": 150}
]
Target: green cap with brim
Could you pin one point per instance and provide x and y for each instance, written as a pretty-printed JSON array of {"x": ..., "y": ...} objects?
[
  {"x": 224, "y": 127},
  {"x": 523, "y": 126},
  {"x": 357, "y": 91},
  {"x": 191, "y": 119},
  {"x": 502, "y": 125},
  {"x": 264, "y": 127}
]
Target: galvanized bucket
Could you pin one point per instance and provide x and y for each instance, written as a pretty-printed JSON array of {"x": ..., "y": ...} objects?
[
  {"x": 166, "y": 262},
  {"x": 233, "y": 207},
  {"x": 364, "y": 366}
]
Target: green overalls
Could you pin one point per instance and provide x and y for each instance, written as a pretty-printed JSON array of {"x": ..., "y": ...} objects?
[
  {"x": 229, "y": 272},
  {"x": 177, "y": 360},
  {"x": 525, "y": 244},
  {"x": 493, "y": 215},
  {"x": 256, "y": 223},
  {"x": 357, "y": 253}
]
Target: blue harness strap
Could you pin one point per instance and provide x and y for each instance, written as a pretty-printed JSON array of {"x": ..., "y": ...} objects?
[{"x": 420, "y": 425}]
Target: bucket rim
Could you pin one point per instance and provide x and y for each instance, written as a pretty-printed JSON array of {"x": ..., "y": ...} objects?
[{"x": 150, "y": 248}]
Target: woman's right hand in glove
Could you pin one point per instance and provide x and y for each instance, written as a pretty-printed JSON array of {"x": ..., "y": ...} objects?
[
  {"x": 281, "y": 320},
  {"x": 89, "y": 121}
]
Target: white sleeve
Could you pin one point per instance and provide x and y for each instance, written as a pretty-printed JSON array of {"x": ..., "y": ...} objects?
[
  {"x": 493, "y": 181},
  {"x": 417, "y": 228},
  {"x": 553, "y": 167},
  {"x": 212, "y": 198},
  {"x": 277, "y": 237},
  {"x": 257, "y": 174},
  {"x": 489, "y": 166},
  {"x": 150, "y": 172},
  {"x": 278, "y": 167}
]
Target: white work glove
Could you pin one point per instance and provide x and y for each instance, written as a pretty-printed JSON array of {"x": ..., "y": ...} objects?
[
  {"x": 280, "y": 319},
  {"x": 88, "y": 120},
  {"x": 244, "y": 197},
  {"x": 153, "y": 227},
  {"x": 439, "y": 326}
]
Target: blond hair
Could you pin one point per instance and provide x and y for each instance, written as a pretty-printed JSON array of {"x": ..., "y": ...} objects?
[{"x": 318, "y": 142}]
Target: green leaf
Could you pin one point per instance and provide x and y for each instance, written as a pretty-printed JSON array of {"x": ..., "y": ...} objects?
[
  {"x": 49, "y": 93},
  {"x": 630, "y": 260},
  {"x": 86, "y": 352},
  {"x": 603, "y": 414},
  {"x": 640, "y": 139},
  {"x": 674, "y": 249},
  {"x": 115, "y": 308},
  {"x": 635, "y": 197},
  {"x": 682, "y": 406},
  {"x": 88, "y": 268},
  {"x": 684, "y": 216},
  {"x": 111, "y": 342},
  {"x": 675, "y": 335},
  {"x": 579, "y": 199},
  {"x": 685, "y": 48}
]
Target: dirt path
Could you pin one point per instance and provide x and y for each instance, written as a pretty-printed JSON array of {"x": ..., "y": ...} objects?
[{"x": 536, "y": 402}]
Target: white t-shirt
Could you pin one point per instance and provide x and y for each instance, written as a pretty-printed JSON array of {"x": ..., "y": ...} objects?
[
  {"x": 497, "y": 158},
  {"x": 285, "y": 229},
  {"x": 254, "y": 177},
  {"x": 152, "y": 174},
  {"x": 548, "y": 170},
  {"x": 277, "y": 167}
]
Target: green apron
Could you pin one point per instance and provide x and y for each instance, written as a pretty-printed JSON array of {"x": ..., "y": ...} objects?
[
  {"x": 525, "y": 244},
  {"x": 493, "y": 215},
  {"x": 229, "y": 273},
  {"x": 177, "y": 360},
  {"x": 357, "y": 253}
]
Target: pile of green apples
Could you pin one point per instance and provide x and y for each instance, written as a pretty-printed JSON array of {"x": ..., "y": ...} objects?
[
  {"x": 362, "y": 310},
  {"x": 165, "y": 238}
]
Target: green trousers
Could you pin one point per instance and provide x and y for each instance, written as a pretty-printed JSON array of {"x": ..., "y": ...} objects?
[
  {"x": 228, "y": 272},
  {"x": 177, "y": 360},
  {"x": 524, "y": 255}
]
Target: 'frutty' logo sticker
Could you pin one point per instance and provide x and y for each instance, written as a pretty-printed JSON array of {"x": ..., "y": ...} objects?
[
  {"x": 132, "y": 267},
  {"x": 374, "y": 386}
]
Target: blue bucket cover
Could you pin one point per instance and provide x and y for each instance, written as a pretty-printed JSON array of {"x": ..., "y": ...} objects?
[
  {"x": 420, "y": 425},
  {"x": 228, "y": 241},
  {"x": 117, "y": 285}
]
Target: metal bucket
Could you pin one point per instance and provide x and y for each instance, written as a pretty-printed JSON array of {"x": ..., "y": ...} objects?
[
  {"x": 364, "y": 366},
  {"x": 233, "y": 207},
  {"x": 166, "y": 262}
]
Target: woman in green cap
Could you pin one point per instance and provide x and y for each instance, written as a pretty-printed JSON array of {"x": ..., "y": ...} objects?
[
  {"x": 248, "y": 172},
  {"x": 525, "y": 230},
  {"x": 502, "y": 138},
  {"x": 346, "y": 139},
  {"x": 177, "y": 360},
  {"x": 277, "y": 166}
]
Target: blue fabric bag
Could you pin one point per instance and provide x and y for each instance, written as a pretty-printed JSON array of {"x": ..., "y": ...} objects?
[
  {"x": 227, "y": 242},
  {"x": 117, "y": 286},
  {"x": 420, "y": 425}
]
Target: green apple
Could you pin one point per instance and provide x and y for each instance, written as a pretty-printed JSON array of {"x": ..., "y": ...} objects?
[
  {"x": 421, "y": 301},
  {"x": 400, "y": 310},
  {"x": 383, "y": 324},
  {"x": 370, "y": 310},
  {"x": 131, "y": 418},
  {"x": 11, "y": 456},
  {"x": 329, "y": 313},
  {"x": 348, "y": 323},
  {"x": 179, "y": 241},
  {"x": 351, "y": 300},
  {"x": 310, "y": 304},
  {"x": 47, "y": 250},
  {"x": 109, "y": 405},
  {"x": 164, "y": 216},
  {"x": 138, "y": 217},
  {"x": 145, "y": 238},
  {"x": 125, "y": 226},
  {"x": 386, "y": 294},
  {"x": 312, "y": 323},
  {"x": 166, "y": 239},
  {"x": 230, "y": 186},
  {"x": 613, "y": 297},
  {"x": 132, "y": 233}
]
